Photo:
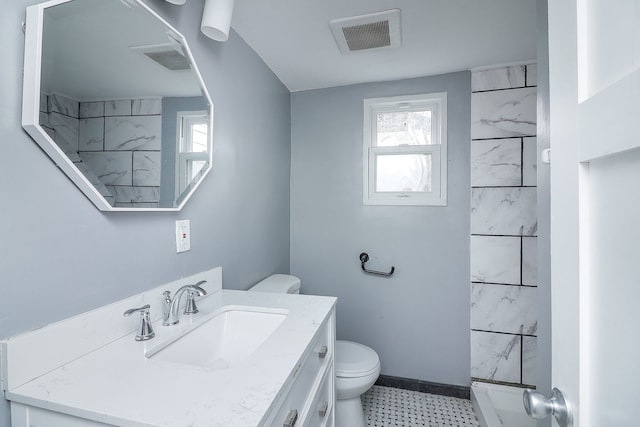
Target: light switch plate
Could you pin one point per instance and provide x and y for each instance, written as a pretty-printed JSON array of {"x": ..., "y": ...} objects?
[{"x": 183, "y": 235}]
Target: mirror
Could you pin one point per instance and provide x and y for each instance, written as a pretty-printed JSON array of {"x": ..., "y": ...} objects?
[{"x": 112, "y": 94}]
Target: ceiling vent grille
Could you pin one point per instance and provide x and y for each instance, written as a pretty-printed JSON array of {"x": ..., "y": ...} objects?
[
  {"x": 169, "y": 59},
  {"x": 374, "y": 31},
  {"x": 168, "y": 55}
]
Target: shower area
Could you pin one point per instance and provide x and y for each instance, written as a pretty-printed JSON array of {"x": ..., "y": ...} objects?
[{"x": 504, "y": 227}]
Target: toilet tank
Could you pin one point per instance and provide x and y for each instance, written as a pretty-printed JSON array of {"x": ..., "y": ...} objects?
[{"x": 279, "y": 283}]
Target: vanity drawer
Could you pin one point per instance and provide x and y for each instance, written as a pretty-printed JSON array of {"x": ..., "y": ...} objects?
[
  {"x": 320, "y": 412},
  {"x": 306, "y": 379},
  {"x": 291, "y": 411},
  {"x": 322, "y": 347}
]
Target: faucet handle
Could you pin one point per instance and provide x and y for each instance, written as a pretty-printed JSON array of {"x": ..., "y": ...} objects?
[
  {"x": 198, "y": 288},
  {"x": 191, "y": 307},
  {"x": 192, "y": 292},
  {"x": 145, "y": 332}
]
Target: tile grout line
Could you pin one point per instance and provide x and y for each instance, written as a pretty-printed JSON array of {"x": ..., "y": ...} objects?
[{"x": 522, "y": 162}]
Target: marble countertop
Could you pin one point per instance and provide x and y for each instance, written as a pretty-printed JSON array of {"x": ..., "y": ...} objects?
[{"x": 117, "y": 384}]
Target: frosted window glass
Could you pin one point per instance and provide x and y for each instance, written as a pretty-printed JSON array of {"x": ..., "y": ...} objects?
[
  {"x": 194, "y": 129},
  {"x": 199, "y": 138},
  {"x": 403, "y": 128},
  {"x": 403, "y": 173}
]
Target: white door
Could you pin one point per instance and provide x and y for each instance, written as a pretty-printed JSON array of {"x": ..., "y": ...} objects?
[{"x": 594, "y": 67}]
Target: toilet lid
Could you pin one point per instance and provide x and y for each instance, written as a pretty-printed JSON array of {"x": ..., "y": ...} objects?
[{"x": 355, "y": 360}]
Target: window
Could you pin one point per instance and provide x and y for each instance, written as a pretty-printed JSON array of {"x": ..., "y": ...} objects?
[
  {"x": 192, "y": 150},
  {"x": 405, "y": 150}
]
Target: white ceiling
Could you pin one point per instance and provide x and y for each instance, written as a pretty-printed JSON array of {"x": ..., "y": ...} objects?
[{"x": 438, "y": 36}]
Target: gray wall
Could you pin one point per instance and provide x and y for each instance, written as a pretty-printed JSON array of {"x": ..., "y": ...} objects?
[
  {"x": 417, "y": 320},
  {"x": 60, "y": 256}
]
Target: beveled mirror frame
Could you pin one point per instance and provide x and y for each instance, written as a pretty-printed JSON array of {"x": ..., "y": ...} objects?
[{"x": 31, "y": 107}]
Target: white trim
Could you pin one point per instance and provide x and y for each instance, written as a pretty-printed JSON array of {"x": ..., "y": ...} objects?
[{"x": 437, "y": 104}]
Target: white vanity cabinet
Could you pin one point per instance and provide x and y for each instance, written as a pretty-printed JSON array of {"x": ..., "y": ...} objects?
[
  {"x": 89, "y": 371},
  {"x": 309, "y": 400}
]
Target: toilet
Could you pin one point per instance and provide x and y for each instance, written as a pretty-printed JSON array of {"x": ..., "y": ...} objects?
[{"x": 357, "y": 366}]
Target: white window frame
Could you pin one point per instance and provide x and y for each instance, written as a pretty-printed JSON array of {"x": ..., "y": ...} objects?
[
  {"x": 437, "y": 104},
  {"x": 183, "y": 158}
]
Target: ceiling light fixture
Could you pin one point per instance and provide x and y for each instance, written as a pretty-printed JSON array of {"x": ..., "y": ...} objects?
[{"x": 216, "y": 19}]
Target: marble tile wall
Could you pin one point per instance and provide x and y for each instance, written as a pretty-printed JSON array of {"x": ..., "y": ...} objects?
[
  {"x": 503, "y": 225},
  {"x": 116, "y": 144},
  {"x": 504, "y": 211},
  {"x": 121, "y": 141},
  {"x": 129, "y": 195},
  {"x": 59, "y": 117}
]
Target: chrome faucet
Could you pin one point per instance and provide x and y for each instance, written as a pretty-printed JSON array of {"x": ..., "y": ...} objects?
[{"x": 171, "y": 316}]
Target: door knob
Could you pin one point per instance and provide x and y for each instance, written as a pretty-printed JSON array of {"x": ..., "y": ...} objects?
[{"x": 538, "y": 406}]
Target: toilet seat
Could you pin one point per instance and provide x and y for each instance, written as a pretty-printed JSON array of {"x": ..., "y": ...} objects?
[{"x": 354, "y": 360}]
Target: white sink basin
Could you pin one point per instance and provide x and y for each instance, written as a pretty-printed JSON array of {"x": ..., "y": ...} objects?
[{"x": 225, "y": 340}]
